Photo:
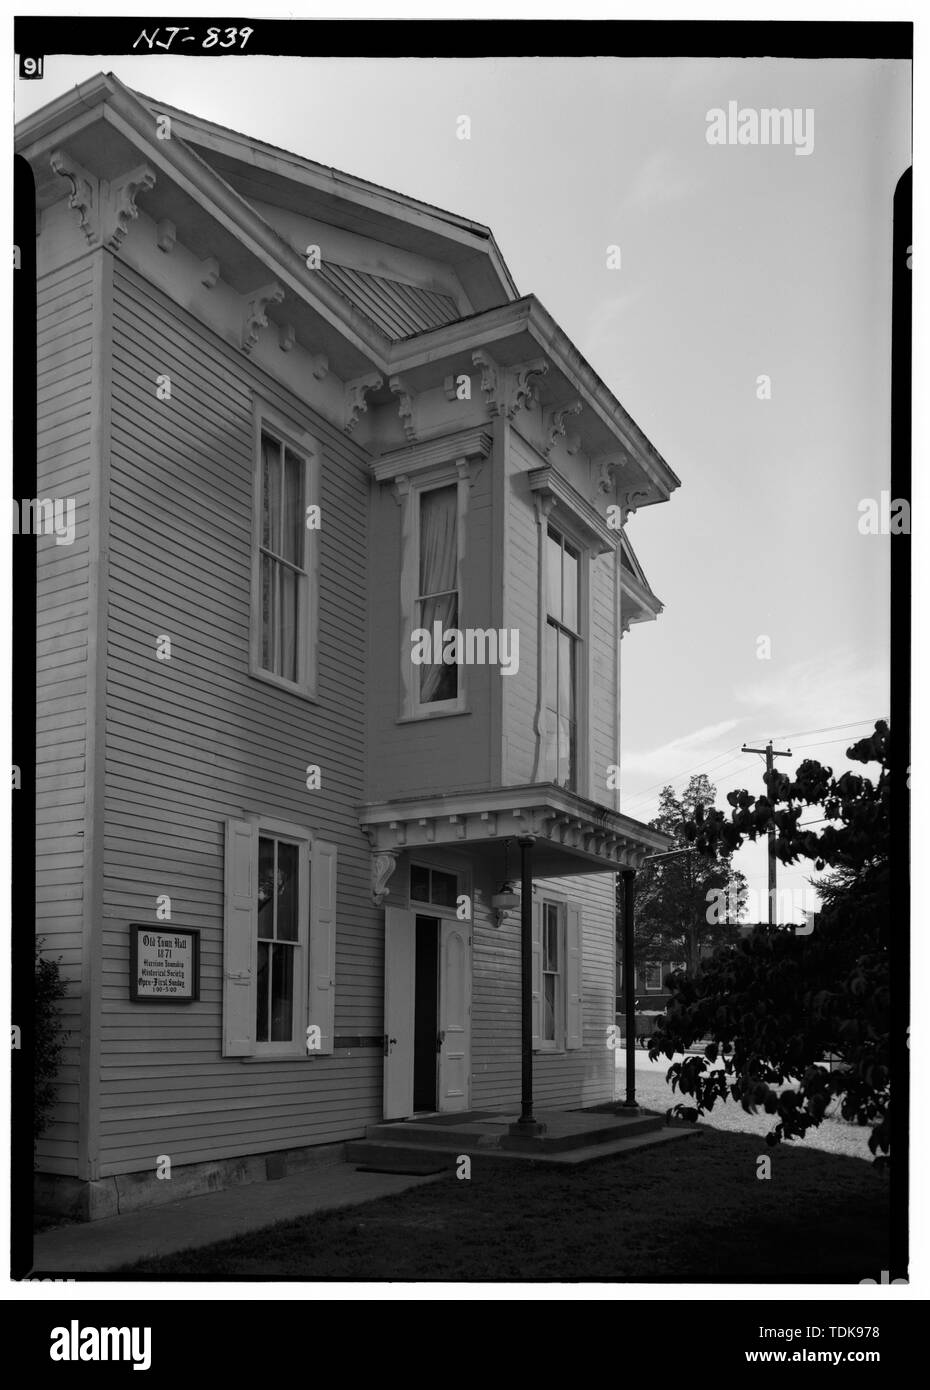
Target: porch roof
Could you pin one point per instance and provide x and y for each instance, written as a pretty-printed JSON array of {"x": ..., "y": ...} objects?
[{"x": 573, "y": 835}]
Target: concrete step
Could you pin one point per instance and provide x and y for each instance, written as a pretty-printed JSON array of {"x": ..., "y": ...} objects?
[
  {"x": 563, "y": 1132},
  {"x": 413, "y": 1134},
  {"x": 384, "y": 1156},
  {"x": 412, "y": 1160},
  {"x": 607, "y": 1131}
]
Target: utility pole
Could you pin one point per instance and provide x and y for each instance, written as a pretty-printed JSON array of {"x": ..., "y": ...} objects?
[{"x": 770, "y": 754}]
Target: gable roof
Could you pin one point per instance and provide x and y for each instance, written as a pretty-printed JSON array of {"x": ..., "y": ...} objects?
[{"x": 261, "y": 172}]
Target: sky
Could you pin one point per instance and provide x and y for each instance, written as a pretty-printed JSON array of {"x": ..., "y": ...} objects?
[{"x": 736, "y": 262}]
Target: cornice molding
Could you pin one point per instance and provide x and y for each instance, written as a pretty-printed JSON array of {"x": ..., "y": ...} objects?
[
  {"x": 429, "y": 453},
  {"x": 548, "y": 482}
]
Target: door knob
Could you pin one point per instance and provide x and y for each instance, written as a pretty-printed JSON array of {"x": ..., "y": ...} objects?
[
  {"x": 388, "y": 1044},
  {"x": 440, "y": 1039}
]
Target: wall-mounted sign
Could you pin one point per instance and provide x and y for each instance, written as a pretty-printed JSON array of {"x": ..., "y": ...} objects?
[{"x": 164, "y": 964}]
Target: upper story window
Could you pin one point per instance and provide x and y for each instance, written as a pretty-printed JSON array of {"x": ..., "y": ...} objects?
[
  {"x": 560, "y": 762},
  {"x": 284, "y": 596},
  {"x": 438, "y": 592},
  {"x": 434, "y": 506}
]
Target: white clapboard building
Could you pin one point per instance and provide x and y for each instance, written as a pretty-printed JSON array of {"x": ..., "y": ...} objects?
[{"x": 309, "y": 423}]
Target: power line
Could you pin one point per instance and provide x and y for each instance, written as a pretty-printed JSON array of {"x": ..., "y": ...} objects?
[
  {"x": 801, "y": 733},
  {"x": 643, "y": 796},
  {"x": 825, "y": 742},
  {"x": 727, "y": 772},
  {"x": 667, "y": 781}
]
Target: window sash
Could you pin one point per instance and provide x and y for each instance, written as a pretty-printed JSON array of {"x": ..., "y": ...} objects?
[
  {"x": 283, "y": 578},
  {"x": 437, "y": 597},
  {"x": 281, "y": 939},
  {"x": 552, "y": 1021}
]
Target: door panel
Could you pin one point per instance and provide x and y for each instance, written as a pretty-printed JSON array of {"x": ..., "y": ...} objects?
[
  {"x": 454, "y": 1015},
  {"x": 399, "y": 977}
]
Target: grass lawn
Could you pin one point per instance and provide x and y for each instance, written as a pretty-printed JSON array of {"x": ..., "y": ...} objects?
[{"x": 691, "y": 1211}]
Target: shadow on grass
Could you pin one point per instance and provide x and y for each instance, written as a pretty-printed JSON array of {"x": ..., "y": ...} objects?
[{"x": 688, "y": 1212}]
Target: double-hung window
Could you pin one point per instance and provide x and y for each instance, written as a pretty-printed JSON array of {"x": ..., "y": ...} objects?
[
  {"x": 653, "y": 979},
  {"x": 557, "y": 969},
  {"x": 553, "y": 982},
  {"x": 437, "y": 604},
  {"x": 279, "y": 941},
  {"x": 432, "y": 556},
  {"x": 284, "y": 564},
  {"x": 562, "y": 636}
]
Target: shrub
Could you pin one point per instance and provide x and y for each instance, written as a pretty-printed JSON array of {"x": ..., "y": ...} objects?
[{"x": 49, "y": 1037}]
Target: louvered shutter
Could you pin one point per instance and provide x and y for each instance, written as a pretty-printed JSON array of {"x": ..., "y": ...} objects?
[
  {"x": 240, "y": 927},
  {"x": 574, "y": 1036},
  {"x": 537, "y": 973},
  {"x": 323, "y": 941}
]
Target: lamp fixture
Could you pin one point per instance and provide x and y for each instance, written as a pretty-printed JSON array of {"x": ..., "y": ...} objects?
[{"x": 506, "y": 898}]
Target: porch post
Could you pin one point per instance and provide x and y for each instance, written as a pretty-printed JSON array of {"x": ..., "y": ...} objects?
[
  {"x": 629, "y": 996},
  {"x": 527, "y": 1124}
]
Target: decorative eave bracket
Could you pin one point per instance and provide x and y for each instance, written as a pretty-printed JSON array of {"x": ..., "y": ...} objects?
[
  {"x": 508, "y": 390},
  {"x": 255, "y": 316},
  {"x": 105, "y": 209},
  {"x": 357, "y": 392}
]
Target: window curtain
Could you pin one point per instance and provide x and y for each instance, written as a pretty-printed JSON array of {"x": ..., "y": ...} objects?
[{"x": 439, "y": 596}]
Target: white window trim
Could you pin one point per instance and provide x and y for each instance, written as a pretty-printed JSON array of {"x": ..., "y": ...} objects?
[
  {"x": 556, "y": 1044},
  {"x": 647, "y": 987},
  {"x": 550, "y": 513},
  {"x": 409, "y": 490},
  {"x": 292, "y": 834},
  {"x": 431, "y": 909},
  {"x": 266, "y": 418}
]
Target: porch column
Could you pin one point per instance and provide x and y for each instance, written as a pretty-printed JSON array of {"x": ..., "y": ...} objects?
[
  {"x": 527, "y": 1123},
  {"x": 629, "y": 996}
]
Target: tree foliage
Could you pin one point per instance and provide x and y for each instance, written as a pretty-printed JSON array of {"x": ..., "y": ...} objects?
[
  {"x": 673, "y": 922},
  {"x": 779, "y": 1005},
  {"x": 49, "y": 1037}
]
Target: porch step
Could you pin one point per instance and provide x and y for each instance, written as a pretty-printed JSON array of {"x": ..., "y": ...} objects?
[
  {"x": 397, "y": 1158},
  {"x": 564, "y": 1130},
  {"x": 383, "y": 1156}
]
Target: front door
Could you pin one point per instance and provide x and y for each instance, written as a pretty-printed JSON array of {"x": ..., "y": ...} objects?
[
  {"x": 427, "y": 1013},
  {"x": 454, "y": 1014}
]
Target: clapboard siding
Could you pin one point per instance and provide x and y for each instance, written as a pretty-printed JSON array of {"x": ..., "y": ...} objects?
[
  {"x": 65, "y": 342},
  {"x": 195, "y": 740},
  {"x": 583, "y": 1076}
]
